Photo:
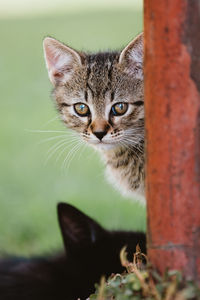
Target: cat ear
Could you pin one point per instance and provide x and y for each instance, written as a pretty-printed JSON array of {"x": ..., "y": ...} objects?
[
  {"x": 60, "y": 60},
  {"x": 131, "y": 57},
  {"x": 78, "y": 230}
]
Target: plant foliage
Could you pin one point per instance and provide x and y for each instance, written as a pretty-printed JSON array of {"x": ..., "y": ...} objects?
[{"x": 141, "y": 281}]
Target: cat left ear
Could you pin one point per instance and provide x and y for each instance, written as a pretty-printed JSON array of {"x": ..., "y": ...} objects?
[
  {"x": 60, "y": 60},
  {"x": 78, "y": 230},
  {"x": 131, "y": 57}
]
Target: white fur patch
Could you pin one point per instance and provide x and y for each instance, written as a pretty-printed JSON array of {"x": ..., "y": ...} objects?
[
  {"x": 136, "y": 55},
  {"x": 120, "y": 185}
]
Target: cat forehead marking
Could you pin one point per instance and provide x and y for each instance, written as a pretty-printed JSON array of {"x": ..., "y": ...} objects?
[{"x": 99, "y": 69}]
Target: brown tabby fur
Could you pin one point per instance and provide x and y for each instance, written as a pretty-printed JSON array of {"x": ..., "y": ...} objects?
[{"x": 100, "y": 80}]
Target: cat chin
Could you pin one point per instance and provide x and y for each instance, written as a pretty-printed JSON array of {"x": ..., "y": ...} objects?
[{"x": 104, "y": 147}]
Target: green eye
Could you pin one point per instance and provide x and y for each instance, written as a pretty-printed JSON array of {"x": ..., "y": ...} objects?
[
  {"x": 81, "y": 109},
  {"x": 119, "y": 109}
]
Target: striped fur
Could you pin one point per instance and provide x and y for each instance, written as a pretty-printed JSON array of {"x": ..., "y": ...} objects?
[{"x": 100, "y": 81}]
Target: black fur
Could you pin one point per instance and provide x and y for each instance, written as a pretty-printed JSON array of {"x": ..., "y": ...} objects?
[{"x": 91, "y": 252}]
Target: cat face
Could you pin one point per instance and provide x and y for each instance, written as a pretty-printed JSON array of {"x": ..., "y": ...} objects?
[{"x": 99, "y": 95}]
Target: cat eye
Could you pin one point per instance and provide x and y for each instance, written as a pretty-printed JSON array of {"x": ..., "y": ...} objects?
[
  {"x": 119, "y": 109},
  {"x": 81, "y": 109}
]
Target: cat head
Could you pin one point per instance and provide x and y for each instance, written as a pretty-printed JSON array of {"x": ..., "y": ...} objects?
[
  {"x": 91, "y": 248},
  {"x": 99, "y": 95}
]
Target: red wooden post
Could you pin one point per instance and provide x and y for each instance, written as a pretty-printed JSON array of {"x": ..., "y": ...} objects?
[{"x": 172, "y": 103}]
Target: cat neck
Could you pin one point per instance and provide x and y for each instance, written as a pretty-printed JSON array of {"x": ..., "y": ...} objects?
[
  {"x": 125, "y": 170},
  {"x": 119, "y": 151}
]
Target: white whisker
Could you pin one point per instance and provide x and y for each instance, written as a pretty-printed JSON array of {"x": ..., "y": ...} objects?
[
  {"x": 69, "y": 154},
  {"x": 134, "y": 147},
  {"x": 45, "y": 131},
  {"x": 62, "y": 151},
  {"x": 56, "y": 147},
  {"x": 82, "y": 150},
  {"x": 72, "y": 155},
  {"x": 51, "y": 120},
  {"x": 54, "y": 138}
]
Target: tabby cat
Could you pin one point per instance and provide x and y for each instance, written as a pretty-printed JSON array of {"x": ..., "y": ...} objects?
[
  {"x": 101, "y": 97},
  {"x": 91, "y": 252}
]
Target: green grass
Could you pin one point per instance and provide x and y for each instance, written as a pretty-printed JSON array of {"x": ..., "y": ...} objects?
[{"x": 30, "y": 189}]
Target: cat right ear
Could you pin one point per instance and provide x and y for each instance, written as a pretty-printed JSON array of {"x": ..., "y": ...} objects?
[
  {"x": 78, "y": 230},
  {"x": 60, "y": 60},
  {"x": 131, "y": 57}
]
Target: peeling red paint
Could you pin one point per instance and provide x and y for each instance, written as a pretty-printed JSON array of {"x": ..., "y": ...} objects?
[{"x": 172, "y": 103}]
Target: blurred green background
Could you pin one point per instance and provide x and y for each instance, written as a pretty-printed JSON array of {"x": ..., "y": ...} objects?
[{"x": 30, "y": 187}]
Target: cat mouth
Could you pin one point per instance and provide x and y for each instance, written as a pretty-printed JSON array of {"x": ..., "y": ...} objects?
[
  {"x": 103, "y": 145},
  {"x": 101, "y": 142}
]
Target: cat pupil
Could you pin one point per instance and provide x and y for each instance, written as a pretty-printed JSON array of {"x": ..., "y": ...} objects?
[
  {"x": 81, "y": 109},
  {"x": 119, "y": 109},
  {"x": 113, "y": 110}
]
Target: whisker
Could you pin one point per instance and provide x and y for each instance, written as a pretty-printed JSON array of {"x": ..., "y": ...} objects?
[
  {"x": 131, "y": 140},
  {"x": 134, "y": 147},
  {"x": 82, "y": 150},
  {"x": 137, "y": 146},
  {"x": 73, "y": 155},
  {"x": 54, "y": 138},
  {"x": 56, "y": 147},
  {"x": 51, "y": 120},
  {"x": 132, "y": 150},
  {"x": 69, "y": 154},
  {"x": 124, "y": 144},
  {"x": 53, "y": 149},
  {"x": 141, "y": 128},
  {"x": 62, "y": 151},
  {"x": 45, "y": 131}
]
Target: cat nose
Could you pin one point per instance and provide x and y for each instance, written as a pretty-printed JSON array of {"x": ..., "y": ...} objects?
[
  {"x": 99, "y": 128},
  {"x": 100, "y": 134}
]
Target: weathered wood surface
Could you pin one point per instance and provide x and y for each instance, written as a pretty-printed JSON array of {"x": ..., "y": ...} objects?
[{"x": 172, "y": 103}]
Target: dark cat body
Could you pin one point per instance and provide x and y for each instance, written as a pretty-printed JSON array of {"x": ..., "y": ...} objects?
[{"x": 91, "y": 252}]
